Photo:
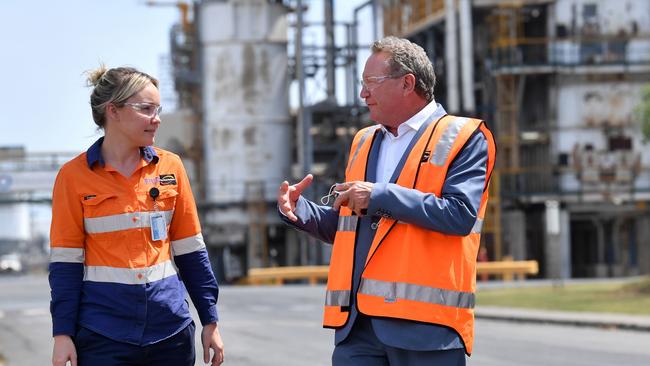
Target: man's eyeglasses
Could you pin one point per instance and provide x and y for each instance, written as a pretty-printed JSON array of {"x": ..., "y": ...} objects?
[
  {"x": 371, "y": 82},
  {"x": 148, "y": 109}
]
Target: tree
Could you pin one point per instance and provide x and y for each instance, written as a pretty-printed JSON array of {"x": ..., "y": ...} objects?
[{"x": 643, "y": 113}]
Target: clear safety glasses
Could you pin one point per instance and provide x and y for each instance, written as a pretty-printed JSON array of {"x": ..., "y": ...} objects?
[{"x": 148, "y": 109}]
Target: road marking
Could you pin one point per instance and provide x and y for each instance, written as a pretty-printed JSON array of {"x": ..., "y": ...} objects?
[
  {"x": 305, "y": 308},
  {"x": 36, "y": 312},
  {"x": 261, "y": 308}
]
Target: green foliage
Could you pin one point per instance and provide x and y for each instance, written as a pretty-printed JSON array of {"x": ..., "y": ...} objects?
[
  {"x": 643, "y": 113},
  {"x": 627, "y": 298}
]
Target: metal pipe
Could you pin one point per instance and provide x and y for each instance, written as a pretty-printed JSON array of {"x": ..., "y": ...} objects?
[
  {"x": 467, "y": 56},
  {"x": 330, "y": 50},
  {"x": 300, "y": 76},
  {"x": 354, "y": 48},
  {"x": 351, "y": 68},
  {"x": 304, "y": 150},
  {"x": 377, "y": 19},
  {"x": 451, "y": 57}
]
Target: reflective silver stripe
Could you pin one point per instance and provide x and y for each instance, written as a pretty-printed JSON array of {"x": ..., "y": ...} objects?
[
  {"x": 129, "y": 276},
  {"x": 368, "y": 132},
  {"x": 188, "y": 245},
  {"x": 443, "y": 147},
  {"x": 478, "y": 225},
  {"x": 391, "y": 291},
  {"x": 347, "y": 223},
  {"x": 68, "y": 255},
  {"x": 126, "y": 221},
  {"x": 337, "y": 298}
]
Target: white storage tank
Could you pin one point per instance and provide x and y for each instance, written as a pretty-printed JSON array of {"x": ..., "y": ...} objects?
[
  {"x": 247, "y": 126},
  {"x": 15, "y": 221}
]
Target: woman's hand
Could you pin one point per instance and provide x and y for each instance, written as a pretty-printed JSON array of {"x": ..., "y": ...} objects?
[
  {"x": 211, "y": 339},
  {"x": 63, "y": 351}
]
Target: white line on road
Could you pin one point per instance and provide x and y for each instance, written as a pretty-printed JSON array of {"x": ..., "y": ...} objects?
[{"x": 36, "y": 312}]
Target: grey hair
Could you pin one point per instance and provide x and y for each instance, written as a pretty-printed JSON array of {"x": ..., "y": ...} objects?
[
  {"x": 114, "y": 86},
  {"x": 407, "y": 57}
]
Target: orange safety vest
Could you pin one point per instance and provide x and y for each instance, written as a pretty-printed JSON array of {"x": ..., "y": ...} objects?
[{"x": 410, "y": 272}]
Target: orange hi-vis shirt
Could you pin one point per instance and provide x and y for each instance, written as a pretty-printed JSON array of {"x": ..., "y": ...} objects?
[{"x": 109, "y": 270}]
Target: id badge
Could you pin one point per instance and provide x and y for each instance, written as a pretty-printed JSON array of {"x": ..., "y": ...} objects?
[{"x": 158, "y": 226}]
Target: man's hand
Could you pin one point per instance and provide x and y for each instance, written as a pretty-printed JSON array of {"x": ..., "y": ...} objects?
[
  {"x": 63, "y": 351},
  {"x": 288, "y": 196},
  {"x": 211, "y": 339},
  {"x": 355, "y": 195}
]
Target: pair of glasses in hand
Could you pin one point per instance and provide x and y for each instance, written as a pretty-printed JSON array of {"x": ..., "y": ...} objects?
[{"x": 332, "y": 194}]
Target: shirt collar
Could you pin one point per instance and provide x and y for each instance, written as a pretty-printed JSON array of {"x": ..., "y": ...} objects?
[
  {"x": 94, "y": 154},
  {"x": 416, "y": 121}
]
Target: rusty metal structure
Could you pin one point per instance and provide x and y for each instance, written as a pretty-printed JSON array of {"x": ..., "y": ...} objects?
[
  {"x": 558, "y": 81},
  {"x": 232, "y": 63}
]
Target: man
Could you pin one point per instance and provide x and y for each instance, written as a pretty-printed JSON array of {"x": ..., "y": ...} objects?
[{"x": 406, "y": 222}]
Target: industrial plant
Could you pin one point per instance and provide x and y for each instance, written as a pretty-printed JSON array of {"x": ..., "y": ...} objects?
[{"x": 265, "y": 92}]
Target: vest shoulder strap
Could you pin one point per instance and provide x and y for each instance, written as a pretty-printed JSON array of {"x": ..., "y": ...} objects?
[{"x": 360, "y": 147}]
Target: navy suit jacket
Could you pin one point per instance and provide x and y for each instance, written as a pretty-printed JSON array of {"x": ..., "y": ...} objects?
[{"x": 454, "y": 213}]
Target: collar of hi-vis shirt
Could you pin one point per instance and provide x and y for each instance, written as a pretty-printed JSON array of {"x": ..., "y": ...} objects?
[
  {"x": 393, "y": 147},
  {"x": 94, "y": 154}
]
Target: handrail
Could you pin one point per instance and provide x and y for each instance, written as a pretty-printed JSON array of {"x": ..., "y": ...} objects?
[{"x": 278, "y": 275}]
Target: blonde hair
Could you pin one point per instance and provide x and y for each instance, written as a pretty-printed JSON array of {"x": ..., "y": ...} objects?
[{"x": 114, "y": 86}]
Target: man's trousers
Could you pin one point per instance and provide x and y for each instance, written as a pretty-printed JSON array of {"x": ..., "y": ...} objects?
[{"x": 363, "y": 348}]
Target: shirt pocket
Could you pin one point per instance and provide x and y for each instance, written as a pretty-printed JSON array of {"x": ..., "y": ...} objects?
[
  {"x": 105, "y": 222},
  {"x": 166, "y": 200},
  {"x": 100, "y": 205}
]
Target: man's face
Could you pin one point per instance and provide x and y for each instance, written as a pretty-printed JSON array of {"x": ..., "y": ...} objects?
[{"x": 382, "y": 91}]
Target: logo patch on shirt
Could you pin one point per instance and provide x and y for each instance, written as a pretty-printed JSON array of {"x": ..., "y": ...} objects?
[
  {"x": 167, "y": 179},
  {"x": 90, "y": 196},
  {"x": 153, "y": 180}
]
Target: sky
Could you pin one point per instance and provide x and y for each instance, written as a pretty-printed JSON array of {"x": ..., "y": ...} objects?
[{"x": 48, "y": 45}]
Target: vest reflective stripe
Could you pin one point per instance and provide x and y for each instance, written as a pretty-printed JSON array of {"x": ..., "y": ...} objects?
[
  {"x": 126, "y": 221},
  {"x": 188, "y": 245},
  {"x": 347, "y": 223},
  {"x": 478, "y": 226},
  {"x": 130, "y": 276},
  {"x": 443, "y": 147},
  {"x": 393, "y": 291},
  {"x": 67, "y": 255},
  {"x": 337, "y": 298},
  {"x": 368, "y": 132}
]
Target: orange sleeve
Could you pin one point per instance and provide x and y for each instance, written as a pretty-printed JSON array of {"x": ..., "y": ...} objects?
[
  {"x": 67, "y": 228},
  {"x": 186, "y": 219}
]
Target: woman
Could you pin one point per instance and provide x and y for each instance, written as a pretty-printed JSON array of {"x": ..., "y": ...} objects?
[{"x": 121, "y": 213}]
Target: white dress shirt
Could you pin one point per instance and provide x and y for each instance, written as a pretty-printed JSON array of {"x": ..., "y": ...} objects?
[{"x": 393, "y": 147}]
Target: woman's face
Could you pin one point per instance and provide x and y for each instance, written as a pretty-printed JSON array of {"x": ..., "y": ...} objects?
[{"x": 138, "y": 120}]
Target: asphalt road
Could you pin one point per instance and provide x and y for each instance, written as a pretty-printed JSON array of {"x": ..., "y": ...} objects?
[{"x": 281, "y": 326}]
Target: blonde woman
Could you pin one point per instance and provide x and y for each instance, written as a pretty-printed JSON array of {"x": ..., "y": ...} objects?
[{"x": 125, "y": 231}]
